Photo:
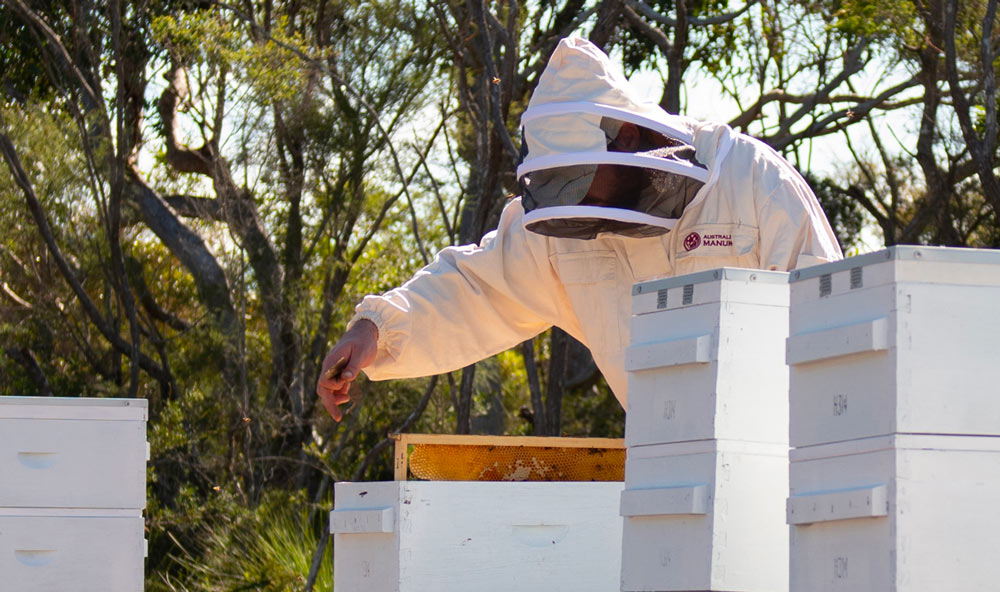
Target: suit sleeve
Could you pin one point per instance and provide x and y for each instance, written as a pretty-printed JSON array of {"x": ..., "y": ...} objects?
[
  {"x": 470, "y": 303},
  {"x": 794, "y": 231}
]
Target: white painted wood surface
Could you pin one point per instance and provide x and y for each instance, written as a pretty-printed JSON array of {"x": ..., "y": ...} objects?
[
  {"x": 665, "y": 501},
  {"x": 866, "y": 501},
  {"x": 363, "y": 521},
  {"x": 482, "y": 536},
  {"x": 712, "y": 365},
  {"x": 73, "y": 408},
  {"x": 72, "y": 463},
  {"x": 900, "y": 513},
  {"x": 749, "y": 286},
  {"x": 899, "y": 341},
  {"x": 54, "y": 553},
  {"x": 72, "y": 490},
  {"x": 737, "y": 540}
]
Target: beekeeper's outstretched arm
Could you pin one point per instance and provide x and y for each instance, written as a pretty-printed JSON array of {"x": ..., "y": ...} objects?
[{"x": 470, "y": 303}]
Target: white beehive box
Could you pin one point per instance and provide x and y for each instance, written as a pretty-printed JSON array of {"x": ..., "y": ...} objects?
[
  {"x": 706, "y": 358},
  {"x": 897, "y": 341},
  {"x": 72, "y": 491},
  {"x": 705, "y": 515},
  {"x": 415, "y": 536},
  {"x": 898, "y": 513},
  {"x": 58, "y": 452},
  {"x": 61, "y": 550}
]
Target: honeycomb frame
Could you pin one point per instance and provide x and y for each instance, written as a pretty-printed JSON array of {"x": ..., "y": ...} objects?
[{"x": 507, "y": 458}]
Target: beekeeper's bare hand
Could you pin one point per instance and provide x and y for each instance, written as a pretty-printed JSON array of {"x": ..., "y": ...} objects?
[{"x": 355, "y": 350}]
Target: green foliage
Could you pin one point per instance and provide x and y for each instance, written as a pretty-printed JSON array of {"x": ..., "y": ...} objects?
[
  {"x": 593, "y": 412},
  {"x": 877, "y": 18},
  {"x": 846, "y": 216},
  {"x": 23, "y": 72},
  {"x": 218, "y": 41},
  {"x": 38, "y": 311},
  {"x": 713, "y": 46},
  {"x": 232, "y": 547}
]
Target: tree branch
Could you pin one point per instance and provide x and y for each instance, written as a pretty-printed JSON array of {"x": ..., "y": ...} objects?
[
  {"x": 650, "y": 13},
  {"x": 59, "y": 52},
  {"x": 190, "y": 250},
  {"x": 26, "y": 358},
  {"x": 496, "y": 106},
  {"x": 654, "y": 34},
  {"x": 155, "y": 311},
  {"x": 858, "y": 194},
  {"x": 21, "y": 178},
  {"x": 537, "y": 405},
  {"x": 852, "y": 115},
  {"x": 744, "y": 119},
  {"x": 852, "y": 65},
  {"x": 983, "y": 149},
  {"x": 116, "y": 163},
  {"x": 192, "y": 206},
  {"x": 178, "y": 156}
]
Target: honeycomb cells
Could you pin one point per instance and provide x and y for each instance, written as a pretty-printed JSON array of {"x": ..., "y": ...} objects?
[{"x": 453, "y": 462}]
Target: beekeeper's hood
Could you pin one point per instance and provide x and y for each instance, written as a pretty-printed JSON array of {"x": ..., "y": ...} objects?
[{"x": 571, "y": 126}]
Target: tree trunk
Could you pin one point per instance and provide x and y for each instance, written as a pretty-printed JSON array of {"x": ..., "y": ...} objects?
[{"x": 463, "y": 415}]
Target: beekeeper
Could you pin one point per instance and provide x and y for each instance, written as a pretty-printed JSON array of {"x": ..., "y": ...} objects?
[{"x": 614, "y": 191}]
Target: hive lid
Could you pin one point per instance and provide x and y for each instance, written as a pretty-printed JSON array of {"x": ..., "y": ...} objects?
[
  {"x": 732, "y": 274},
  {"x": 729, "y": 284},
  {"x": 949, "y": 255},
  {"x": 72, "y": 408}
]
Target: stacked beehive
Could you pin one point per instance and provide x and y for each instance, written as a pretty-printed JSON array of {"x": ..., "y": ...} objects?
[
  {"x": 707, "y": 434},
  {"x": 72, "y": 491},
  {"x": 895, "y": 418},
  {"x": 456, "y": 536},
  {"x": 467, "y": 534}
]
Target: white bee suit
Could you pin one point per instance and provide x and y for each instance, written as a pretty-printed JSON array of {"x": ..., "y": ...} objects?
[{"x": 745, "y": 207}]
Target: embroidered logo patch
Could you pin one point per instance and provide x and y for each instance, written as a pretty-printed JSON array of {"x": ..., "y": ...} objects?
[
  {"x": 717, "y": 240},
  {"x": 692, "y": 241}
]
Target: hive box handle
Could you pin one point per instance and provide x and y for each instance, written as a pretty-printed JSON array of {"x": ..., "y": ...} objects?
[
  {"x": 35, "y": 557},
  {"x": 844, "y": 504},
  {"x": 37, "y": 460},
  {"x": 540, "y": 535},
  {"x": 360, "y": 521},
  {"x": 868, "y": 336},
  {"x": 665, "y": 501},
  {"x": 676, "y": 352}
]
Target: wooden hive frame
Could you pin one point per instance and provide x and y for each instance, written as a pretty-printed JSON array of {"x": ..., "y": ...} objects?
[{"x": 404, "y": 441}]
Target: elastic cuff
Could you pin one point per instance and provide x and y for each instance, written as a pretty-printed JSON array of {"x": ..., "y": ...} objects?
[{"x": 375, "y": 318}]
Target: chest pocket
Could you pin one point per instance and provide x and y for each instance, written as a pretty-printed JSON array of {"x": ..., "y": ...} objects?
[
  {"x": 710, "y": 246},
  {"x": 590, "y": 279}
]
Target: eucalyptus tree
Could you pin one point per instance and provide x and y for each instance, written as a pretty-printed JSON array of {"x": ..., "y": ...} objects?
[
  {"x": 257, "y": 150},
  {"x": 927, "y": 174},
  {"x": 906, "y": 88}
]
